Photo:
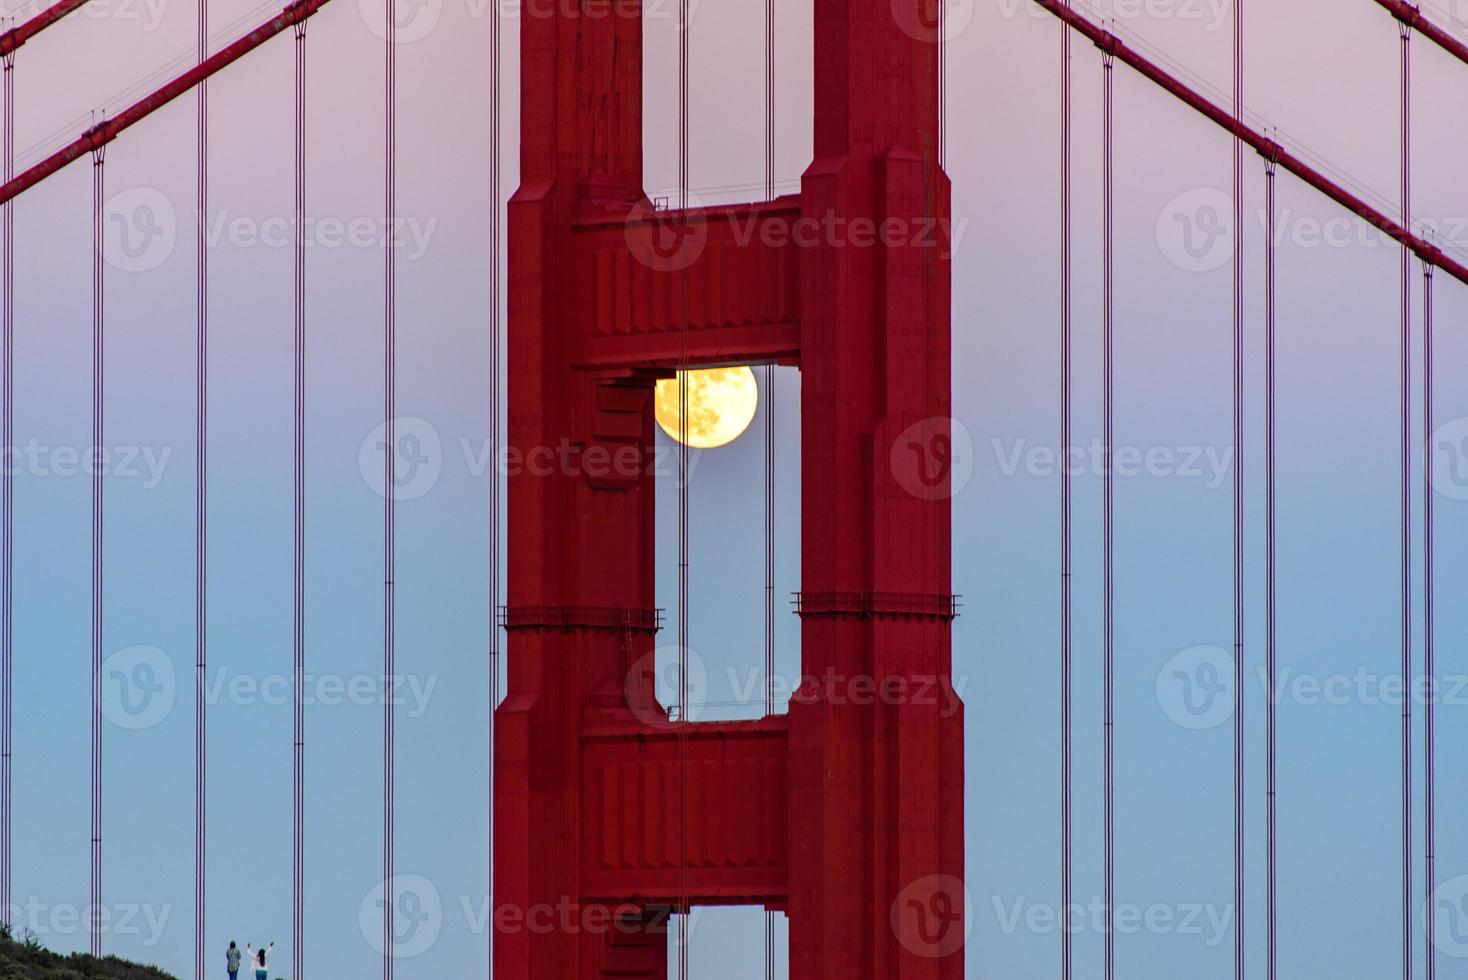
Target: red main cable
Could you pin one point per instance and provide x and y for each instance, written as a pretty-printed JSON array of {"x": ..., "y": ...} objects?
[
  {"x": 109, "y": 129},
  {"x": 1220, "y": 116},
  {"x": 1412, "y": 16},
  {"x": 22, "y": 33}
]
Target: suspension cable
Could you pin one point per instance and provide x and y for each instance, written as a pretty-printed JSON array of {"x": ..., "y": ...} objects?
[
  {"x": 1270, "y": 569},
  {"x": 201, "y": 506},
  {"x": 1066, "y": 869},
  {"x": 1429, "y": 590},
  {"x": 94, "y": 924},
  {"x": 7, "y": 496},
  {"x": 1238, "y": 488},
  {"x": 389, "y": 486},
  {"x": 495, "y": 328},
  {"x": 1109, "y": 492},
  {"x": 1406, "y": 501},
  {"x": 298, "y": 571},
  {"x": 684, "y": 14}
]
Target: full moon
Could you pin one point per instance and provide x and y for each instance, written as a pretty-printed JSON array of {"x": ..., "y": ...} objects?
[{"x": 721, "y": 404}]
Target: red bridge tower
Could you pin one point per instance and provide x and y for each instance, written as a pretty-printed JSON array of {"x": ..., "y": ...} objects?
[{"x": 847, "y": 813}]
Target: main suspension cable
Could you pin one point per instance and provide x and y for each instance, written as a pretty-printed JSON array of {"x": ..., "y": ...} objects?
[
  {"x": 1109, "y": 503},
  {"x": 298, "y": 570},
  {"x": 94, "y": 923}
]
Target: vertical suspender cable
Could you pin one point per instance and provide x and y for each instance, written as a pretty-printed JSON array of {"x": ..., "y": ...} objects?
[
  {"x": 389, "y": 488},
  {"x": 769, "y": 372},
  {"x": 1109, "y": 493},
  {"x": 1271, "y": 588},
  {"x": 494, "y": 429},
  {"x": 1429, "y": 591},
  {"x": 683, "y": 529},
  {"x": 94, "y": 924},
  {"x": 201, "y": 503},
  {"x": 7, "y": 498},
  {"x": 1066, "y": 945},
  {"x": 1406, "y": 495},
  {"x": 1238, "y": 487},
  {"x": 298, "y": 569}
]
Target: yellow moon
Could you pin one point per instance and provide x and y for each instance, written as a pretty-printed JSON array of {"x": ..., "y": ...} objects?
[{"x": 721, "y": 404}]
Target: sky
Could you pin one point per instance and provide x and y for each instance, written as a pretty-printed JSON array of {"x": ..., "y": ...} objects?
[{"x": 1325, "y": 72}]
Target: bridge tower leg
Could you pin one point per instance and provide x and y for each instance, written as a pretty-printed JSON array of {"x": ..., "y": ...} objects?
[{"x": 847, "y": 813}]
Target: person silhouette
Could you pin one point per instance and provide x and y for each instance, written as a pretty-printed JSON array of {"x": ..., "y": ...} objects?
[
  {"x": 257, "y": 960},
  {"x": 232, "y": 957}
]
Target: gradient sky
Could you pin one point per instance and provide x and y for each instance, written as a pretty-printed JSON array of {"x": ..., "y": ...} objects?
[{"x": 1323, "y": 71}]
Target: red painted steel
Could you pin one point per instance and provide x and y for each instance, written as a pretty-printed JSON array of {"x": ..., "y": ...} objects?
[
  {"x": 848, "y": 813},
  {"x": 21, "y": 33},
  {"x": 1413, "y": 17},
  {"x": 1266, "y": 147},
  {"x": 103, "y": 133}
]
